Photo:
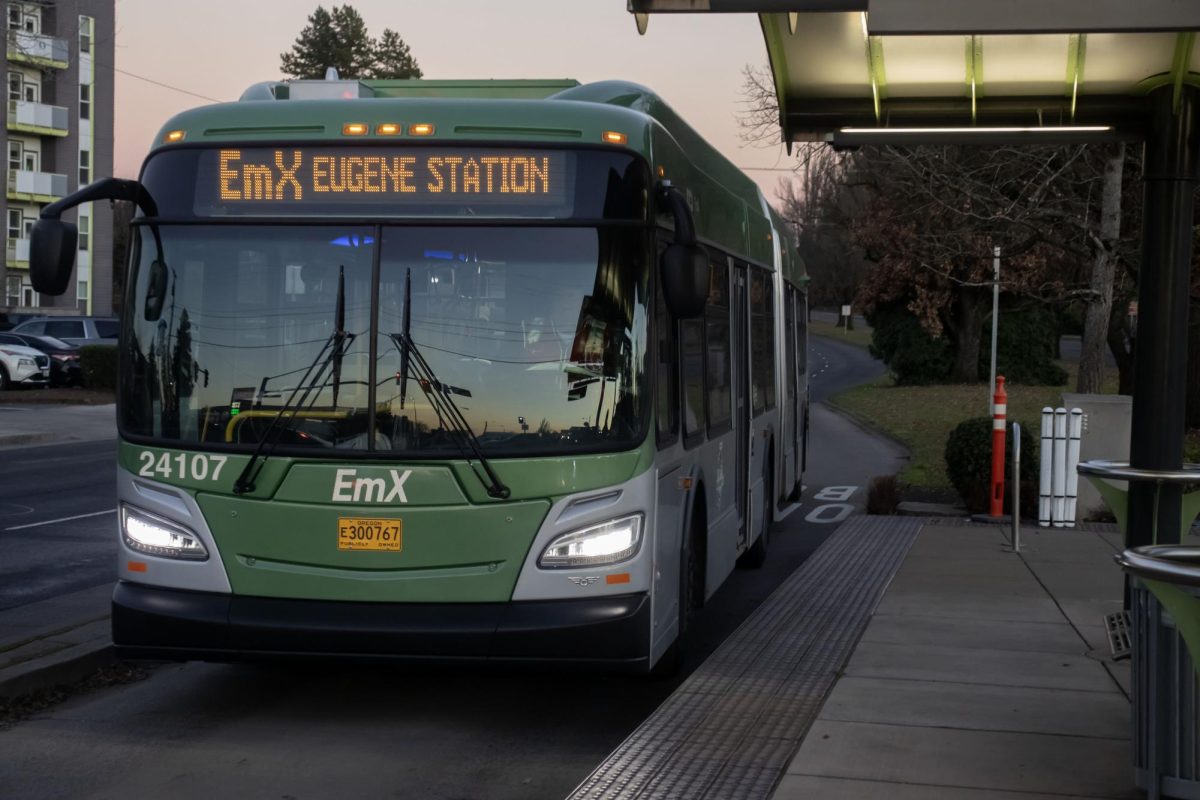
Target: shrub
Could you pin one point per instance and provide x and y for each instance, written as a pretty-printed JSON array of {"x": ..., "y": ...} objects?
[
  {"x": 883, "y": 495},
  {"x": 98, "y": 363},
  {"x": 913, "y": 356},
  {"x": 1025, "y": 348},
  {"x": 969, "y": 465}
]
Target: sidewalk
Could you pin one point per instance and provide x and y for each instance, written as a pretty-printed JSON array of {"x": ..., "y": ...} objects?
[
  {"x": 981, "y": 672},
  {"x": 34, "y": 424},
  {"x": 906, "y": 659}
]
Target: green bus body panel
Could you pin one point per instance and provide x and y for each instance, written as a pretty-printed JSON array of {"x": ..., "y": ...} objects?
[
  {"x": 458, "y": 544},
  {"x": 449, "y": 553},
  {"x": 527, "y": 478},
  {"x": 422, "y": 484}
]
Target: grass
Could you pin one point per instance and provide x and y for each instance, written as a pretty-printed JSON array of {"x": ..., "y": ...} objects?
[
  {"x": 921, "y": 417},
  {"x": 859, "y": 337}
]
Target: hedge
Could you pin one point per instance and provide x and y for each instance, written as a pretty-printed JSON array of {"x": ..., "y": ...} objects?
[
  {"x": 969, "y": 466},
  {"x": 99, "y": 365}
]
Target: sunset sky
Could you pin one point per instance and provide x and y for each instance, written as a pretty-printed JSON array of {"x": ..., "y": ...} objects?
[{"x": 220, "y": 47}]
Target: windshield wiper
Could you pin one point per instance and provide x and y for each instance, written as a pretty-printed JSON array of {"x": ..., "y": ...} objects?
[
  {"x": 448, "y": 412},
  {"x": 330, "y": 355}
]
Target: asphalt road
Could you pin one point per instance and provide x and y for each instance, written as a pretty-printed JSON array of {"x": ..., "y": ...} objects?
[
  {"x": 57, "y": 520},
  {"x": 204, "y": 730}
]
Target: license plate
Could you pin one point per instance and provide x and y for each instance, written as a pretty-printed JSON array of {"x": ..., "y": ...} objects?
[{"x": 357, "y": 533}]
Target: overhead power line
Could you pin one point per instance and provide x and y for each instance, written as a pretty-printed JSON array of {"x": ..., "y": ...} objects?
[{"x": 166, "y": 85}]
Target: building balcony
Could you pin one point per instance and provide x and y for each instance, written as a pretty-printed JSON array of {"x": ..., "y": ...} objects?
[
  {"x": 37, "y": 118},
  {"x": 17, "y": 253},
  {"x": 36, "y": 187},
  {"x": 34, "y": 48}
]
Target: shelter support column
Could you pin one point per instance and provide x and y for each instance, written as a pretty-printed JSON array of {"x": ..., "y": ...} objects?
[{"x": 1172, "y": 158}]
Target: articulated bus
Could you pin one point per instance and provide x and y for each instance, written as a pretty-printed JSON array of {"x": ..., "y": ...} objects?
[{"x": 501, "y": 370}]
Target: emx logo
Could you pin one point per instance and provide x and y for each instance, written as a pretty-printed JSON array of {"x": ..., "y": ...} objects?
[{"x": 349, "y": 488}]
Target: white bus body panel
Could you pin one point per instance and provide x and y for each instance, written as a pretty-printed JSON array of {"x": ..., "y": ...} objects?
[{"x": 178, "y": 506}]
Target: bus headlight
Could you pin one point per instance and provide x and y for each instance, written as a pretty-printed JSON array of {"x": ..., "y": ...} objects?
[
  {"x": 153, "y": 535},
  {"x": 607, "y": 543}
]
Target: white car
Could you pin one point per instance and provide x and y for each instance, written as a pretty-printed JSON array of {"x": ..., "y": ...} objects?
[{"x": 23, "y": 366}]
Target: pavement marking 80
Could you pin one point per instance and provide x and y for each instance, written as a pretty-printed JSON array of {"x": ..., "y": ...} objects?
[{"x": 832, "y": 512}]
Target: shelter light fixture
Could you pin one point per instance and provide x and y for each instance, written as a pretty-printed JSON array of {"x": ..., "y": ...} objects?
[{"x": 980, "y": 130}]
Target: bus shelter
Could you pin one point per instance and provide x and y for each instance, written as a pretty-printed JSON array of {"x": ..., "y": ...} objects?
[{"x": 906, "y": 72}]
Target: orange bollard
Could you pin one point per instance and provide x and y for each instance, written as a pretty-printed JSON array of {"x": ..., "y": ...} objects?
[{"x": 999, "y": 414}]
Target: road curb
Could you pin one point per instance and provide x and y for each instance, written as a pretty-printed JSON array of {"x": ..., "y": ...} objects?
[{"x": 62, "y": 667}]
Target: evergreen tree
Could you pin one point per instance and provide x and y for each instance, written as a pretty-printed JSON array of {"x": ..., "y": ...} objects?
[
  {"x": 336, "y": 38},
  {"x": 393, "y": 58}
]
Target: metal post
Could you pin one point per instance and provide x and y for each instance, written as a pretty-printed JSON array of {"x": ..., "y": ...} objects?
[
  {"x": 1172, "y": 158},
  {"x": 1016, "y": 488},
  {"x": 995, "y": 317}
]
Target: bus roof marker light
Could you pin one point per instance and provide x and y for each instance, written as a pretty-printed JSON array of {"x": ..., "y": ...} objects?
[
  {"x": 420, "y": 129},
  {"x": 388, "y": 129},
  {"x": 615, "y": 137},
  {"x": 355, "y": 129},
  {"x": 172, "y": 137}
]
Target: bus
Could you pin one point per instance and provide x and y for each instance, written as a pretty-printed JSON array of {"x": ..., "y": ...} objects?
[{"x": 498, "y": 370}]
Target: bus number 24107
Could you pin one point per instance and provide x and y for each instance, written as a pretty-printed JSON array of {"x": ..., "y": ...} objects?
[{"x": 197, "y": 466}]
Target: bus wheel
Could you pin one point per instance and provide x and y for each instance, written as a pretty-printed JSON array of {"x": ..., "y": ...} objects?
[
  {"x": 690, "y": 588},
  {"x": 756, "y": 556}
]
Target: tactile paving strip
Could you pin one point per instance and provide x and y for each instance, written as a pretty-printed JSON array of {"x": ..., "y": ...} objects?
[{"x": 731, "y": 729}]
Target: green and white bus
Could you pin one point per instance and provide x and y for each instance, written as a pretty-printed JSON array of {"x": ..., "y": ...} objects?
[{"x": 502, "y": 370}]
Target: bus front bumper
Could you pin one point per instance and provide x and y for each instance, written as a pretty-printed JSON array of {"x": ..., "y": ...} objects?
[{"x": 153, "y": 622}]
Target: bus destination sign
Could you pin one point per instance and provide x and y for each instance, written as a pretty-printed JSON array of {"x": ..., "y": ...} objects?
[{"x": 253, "y": 180}]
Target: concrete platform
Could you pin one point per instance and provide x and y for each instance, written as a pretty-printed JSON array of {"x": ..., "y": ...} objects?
[
  {"x": 968, "y": 671},
  {"x": 983, "y": 674}
]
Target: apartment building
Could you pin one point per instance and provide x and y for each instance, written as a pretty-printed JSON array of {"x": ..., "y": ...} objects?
[{"x": 58, "y": 123}]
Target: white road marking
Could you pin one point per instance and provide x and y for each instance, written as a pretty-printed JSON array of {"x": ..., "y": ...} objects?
[{"x": 64, "y": 519}]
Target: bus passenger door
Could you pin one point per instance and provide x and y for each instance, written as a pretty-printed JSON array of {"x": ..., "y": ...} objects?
[{"x": 740, "y": 334}]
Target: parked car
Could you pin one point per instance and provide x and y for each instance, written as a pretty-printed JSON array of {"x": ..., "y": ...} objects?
[
  {"x": 23, "y": 366},
  {"x": 74, "y": 330},
  {"x": 64, "y": 358}
]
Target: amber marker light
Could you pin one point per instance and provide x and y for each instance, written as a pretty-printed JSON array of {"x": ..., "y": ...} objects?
[
  {"x": 613, "y": 137},
  {"x": 617, "y": 577},
  {"x": 420, "y": 129},
  {"x": 354, "y": 129},
  {"x": 174, "y": 136},
  {"x": 140, "y": 566},
  {"x": 388, "y": 129}
]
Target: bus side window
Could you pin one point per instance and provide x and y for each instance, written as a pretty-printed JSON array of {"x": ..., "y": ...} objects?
[
  {"x": 691, "y": 358},
  {"x": 666, "y": 376},
  {"x": 716, "y": 347},
  {"x": 762, "y": 342},
  {"x": 802, "y": 314},
  {"x": 789, "y": 334}
]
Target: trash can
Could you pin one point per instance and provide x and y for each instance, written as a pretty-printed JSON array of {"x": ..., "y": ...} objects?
[{"x": 1165, "y": 622}]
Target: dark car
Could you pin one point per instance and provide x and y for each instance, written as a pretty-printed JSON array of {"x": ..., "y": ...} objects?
[{"x": 64, "y": 358}]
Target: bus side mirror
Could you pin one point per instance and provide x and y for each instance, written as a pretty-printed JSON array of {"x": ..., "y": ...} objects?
[
  {"x": 52, "y": 255},
  {"x": 684, "y": 272},
  {"x": 156, "y": 291},
  {"x": 684, "y": 264},
  {"x": 52, "y": 242}
]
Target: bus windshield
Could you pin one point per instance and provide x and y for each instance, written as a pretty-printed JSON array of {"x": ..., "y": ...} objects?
[{"x": 537, "y": 334}]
